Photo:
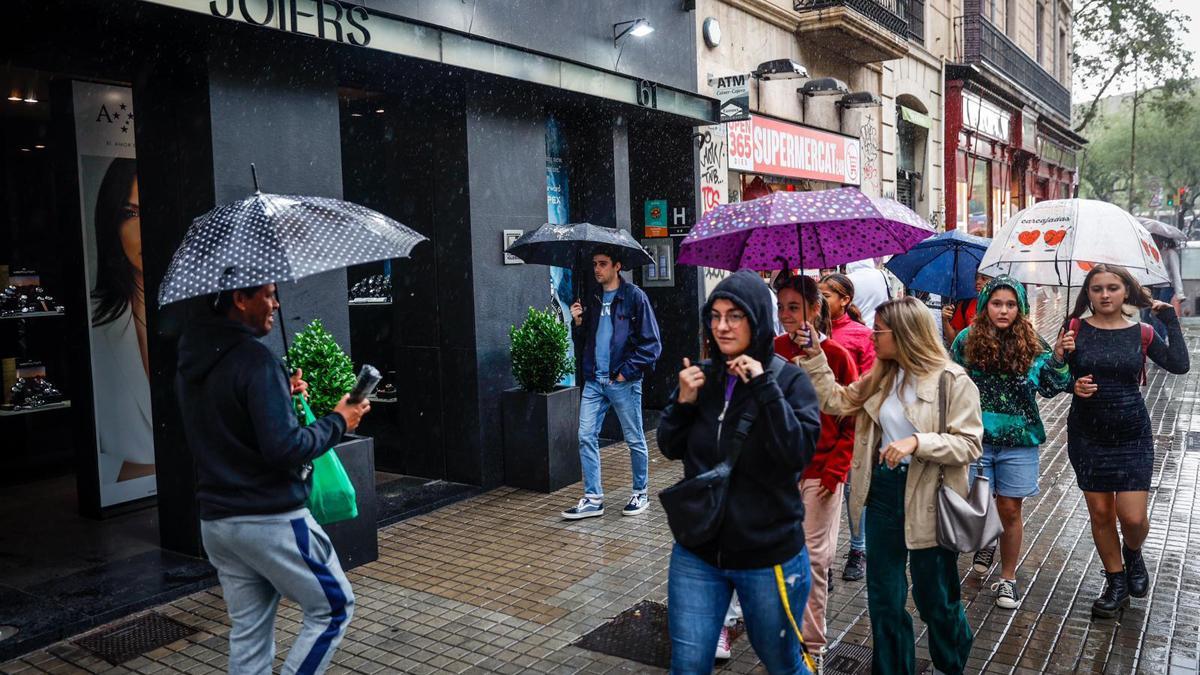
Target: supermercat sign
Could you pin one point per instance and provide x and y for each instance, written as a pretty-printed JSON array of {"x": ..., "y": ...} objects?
[
  {"x": 357, "y": 26},
  {"x": 768, "y": 146}
]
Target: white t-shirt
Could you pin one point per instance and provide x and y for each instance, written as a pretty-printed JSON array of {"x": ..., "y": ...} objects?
[
  {"x": 892, "y": 420},
  {"x": 870, "y": 288}
]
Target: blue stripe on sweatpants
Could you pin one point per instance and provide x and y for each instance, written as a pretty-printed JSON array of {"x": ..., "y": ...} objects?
[{"x": 333, "y": 593}]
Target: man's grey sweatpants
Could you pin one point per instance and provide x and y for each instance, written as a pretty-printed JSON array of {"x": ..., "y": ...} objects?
[{"x": 260, "y": 558}]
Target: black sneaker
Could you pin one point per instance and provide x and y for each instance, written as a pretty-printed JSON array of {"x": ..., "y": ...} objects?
[
  {"x": 856, "y": 566},
  {"x": 984, "y": 557},
  {"x": 1006, "y": 594}
]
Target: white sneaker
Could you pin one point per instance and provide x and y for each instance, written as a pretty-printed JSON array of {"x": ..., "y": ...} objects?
[{"x": 723, "y": 644}]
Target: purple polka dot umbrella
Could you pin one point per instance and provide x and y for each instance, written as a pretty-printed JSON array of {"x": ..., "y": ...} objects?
[{"x": 802, "y": 230}]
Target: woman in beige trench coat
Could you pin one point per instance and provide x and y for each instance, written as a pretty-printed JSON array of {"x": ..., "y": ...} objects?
[{"x": 899, "y": 453}]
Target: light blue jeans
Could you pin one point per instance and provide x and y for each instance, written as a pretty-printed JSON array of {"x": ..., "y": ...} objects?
[
  {"x": 626, "y": 399},
  {"x": 698, "y": 598}
]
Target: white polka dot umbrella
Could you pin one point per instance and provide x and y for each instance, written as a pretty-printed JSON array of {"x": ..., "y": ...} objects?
[{"x": 268, "y": 238}]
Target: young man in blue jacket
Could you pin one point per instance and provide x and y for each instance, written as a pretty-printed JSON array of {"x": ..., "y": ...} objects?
[
  {"x": 620, "y": 341},
  {"x": 253, "y": 460}
]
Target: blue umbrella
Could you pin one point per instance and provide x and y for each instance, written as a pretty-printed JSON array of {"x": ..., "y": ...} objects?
[{"x": 945, "y": 264}]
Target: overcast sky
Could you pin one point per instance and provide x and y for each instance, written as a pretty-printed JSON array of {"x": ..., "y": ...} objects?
[{"x": 1190, "y": 8}]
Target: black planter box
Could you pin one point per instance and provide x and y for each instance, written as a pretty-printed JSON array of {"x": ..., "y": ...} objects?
[
  {"x": 357, "y": 540},
  {"x": 541, "y": 438}
]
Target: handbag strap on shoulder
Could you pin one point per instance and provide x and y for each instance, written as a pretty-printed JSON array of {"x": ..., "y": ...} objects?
[{"x": 943, "y": 411}]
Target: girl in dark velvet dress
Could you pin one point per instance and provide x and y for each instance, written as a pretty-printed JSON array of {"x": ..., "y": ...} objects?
[{"x": 1109, "y": 438}]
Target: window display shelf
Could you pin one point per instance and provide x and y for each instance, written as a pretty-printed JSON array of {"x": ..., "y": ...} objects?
[
  {"x": 32, "y": 315},
  {"x": 370, "y": 301},
  {"x": 28, "y": 411}
]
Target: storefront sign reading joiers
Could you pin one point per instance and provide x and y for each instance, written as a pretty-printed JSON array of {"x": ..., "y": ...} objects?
[{"x": 767, "y": 146}]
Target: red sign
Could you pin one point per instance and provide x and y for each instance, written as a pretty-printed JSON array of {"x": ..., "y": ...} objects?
[{"x": 767, "y": 146}]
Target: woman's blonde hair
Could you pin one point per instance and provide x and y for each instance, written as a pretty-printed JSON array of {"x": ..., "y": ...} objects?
[{"x": 918, "y": 350}]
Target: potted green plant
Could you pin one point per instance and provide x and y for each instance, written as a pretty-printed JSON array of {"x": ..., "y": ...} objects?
[
  {"x": 330, "y": 376},
  {"x": 541, "y": 417}
]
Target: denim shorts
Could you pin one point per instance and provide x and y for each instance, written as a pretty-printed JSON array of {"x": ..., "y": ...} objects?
[{"x": 1013, "y": 472}]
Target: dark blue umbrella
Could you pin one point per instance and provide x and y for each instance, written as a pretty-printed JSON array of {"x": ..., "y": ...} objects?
[{"x": 945, "y": 264}]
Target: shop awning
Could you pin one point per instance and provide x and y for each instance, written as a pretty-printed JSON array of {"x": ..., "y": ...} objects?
[{"x": 913, "y": 117}]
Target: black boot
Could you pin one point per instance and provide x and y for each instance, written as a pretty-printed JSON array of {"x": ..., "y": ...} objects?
[
  {"x": 1135, "y": 572},
  {"x": 1115, "y": 595}
]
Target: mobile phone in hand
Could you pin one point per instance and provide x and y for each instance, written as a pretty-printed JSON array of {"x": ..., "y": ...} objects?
[{"x": 368, "y": 379}]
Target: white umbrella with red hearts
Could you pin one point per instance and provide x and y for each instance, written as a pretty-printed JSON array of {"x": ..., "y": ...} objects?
[{"x": 1056, "y": 243}]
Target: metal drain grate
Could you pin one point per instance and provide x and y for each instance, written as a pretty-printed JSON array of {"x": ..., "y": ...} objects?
[
  {"x": 639, "y": 634},
  {"x": 127, "y": 641},
  {"x": 849, "y": 659}
]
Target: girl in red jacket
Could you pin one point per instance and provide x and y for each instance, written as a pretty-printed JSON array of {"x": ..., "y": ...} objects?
[{"x": 821, "y": 484}]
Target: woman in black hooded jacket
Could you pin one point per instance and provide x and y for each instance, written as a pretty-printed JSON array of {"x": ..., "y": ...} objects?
[{"x": 758, "y": 550}]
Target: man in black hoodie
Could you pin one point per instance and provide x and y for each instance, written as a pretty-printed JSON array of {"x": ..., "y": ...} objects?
[
  {"x": 762, "y": 527},
  {"x": 253, "y": 461}
]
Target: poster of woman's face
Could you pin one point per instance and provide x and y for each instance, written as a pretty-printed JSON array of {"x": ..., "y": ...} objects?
[{"x": 108, "y": 183}]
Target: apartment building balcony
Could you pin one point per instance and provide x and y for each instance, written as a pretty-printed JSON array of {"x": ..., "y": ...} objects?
[
  {"x": 865, "y": 31},
  {"x": 978, "y": 42}
]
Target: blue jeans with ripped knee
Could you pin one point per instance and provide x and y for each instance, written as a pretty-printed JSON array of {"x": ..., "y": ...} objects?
[{"x": 698, "y": 597}]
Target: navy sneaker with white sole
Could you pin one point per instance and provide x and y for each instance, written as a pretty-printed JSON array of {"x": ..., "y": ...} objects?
[
  {"x": 586, "y": 508},
  {"x": 637, "y": 504}
]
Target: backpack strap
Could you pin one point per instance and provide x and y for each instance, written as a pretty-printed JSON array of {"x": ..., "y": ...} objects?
[{"x": 1147, "y": 338}]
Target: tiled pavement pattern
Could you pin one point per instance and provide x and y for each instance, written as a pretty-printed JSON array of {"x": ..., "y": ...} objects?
[{"x": 498, "y": 583}]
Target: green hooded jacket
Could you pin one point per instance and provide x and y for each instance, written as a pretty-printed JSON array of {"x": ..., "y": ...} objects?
[{"x": 1009, "y": 402}]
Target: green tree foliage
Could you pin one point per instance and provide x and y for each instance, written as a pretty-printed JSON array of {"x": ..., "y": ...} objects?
[
  {"x": 539, "y": 351},
  {"x": 1120, "y": 43},
  {"x": 1168, "y": 150},
  {"x": 327, "y": 369}
]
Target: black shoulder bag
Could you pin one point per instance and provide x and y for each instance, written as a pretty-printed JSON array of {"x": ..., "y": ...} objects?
[{"x": 695, "y": 506}]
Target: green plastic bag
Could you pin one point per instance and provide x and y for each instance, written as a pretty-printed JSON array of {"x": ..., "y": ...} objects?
[{"x": 332, "y": 498}]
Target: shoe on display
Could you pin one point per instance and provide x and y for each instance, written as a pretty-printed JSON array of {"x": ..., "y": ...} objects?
[
  {"x": 637, "y": 504},
  {"x": 724, "y": 645},
  {"x": 1135, "y": 572},
  {"x": 1006, "y": 594},
  {"x": 1115, "y": 596},
  {"x": 586, "y": 508},
  {"x": 856, "y": 566},
  {"x": 34, "y": 392},
  {"x": 17, "y": 300},
  {"x": 982, "y": 562},
  {"x": 374, "y": 287}
]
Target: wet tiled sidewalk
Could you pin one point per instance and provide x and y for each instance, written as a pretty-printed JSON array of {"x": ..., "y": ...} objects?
[{"x": 498, "y": 583}]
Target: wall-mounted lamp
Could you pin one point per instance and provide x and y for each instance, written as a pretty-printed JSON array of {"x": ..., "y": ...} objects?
[
  {"x": 859, "y": 99},
  {"x": 821, "y": 86},
  {"x": 15, "y": 97},
  {"x": 636, "y": 28},
  {"x": 31, "y": 98},
  {"x": 780, "y": 69},
  {"x": 824, "y": 86}
]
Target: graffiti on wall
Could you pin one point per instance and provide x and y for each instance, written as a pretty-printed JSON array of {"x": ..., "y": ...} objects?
[{"x": 870, "y": 148}]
